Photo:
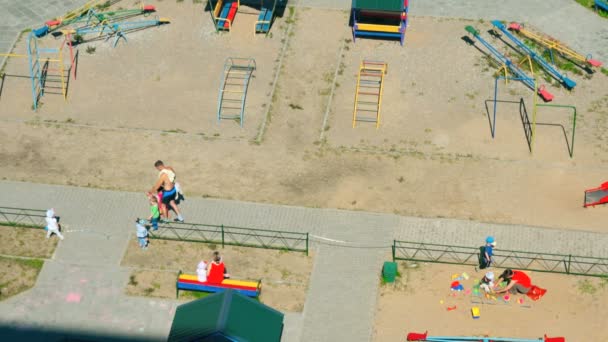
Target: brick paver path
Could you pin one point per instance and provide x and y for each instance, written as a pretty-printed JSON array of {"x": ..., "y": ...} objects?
[{"x": 340, "y": 304}]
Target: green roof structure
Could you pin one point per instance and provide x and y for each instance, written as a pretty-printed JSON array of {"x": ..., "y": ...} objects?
[
  {"x": 379, "y": 5},
  {"x": 226, "y": 317}
]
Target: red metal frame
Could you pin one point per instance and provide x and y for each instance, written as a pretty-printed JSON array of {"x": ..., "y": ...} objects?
[{"x": 603, "y": 200}]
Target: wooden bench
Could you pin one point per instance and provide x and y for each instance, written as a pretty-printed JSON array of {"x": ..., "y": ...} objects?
[{"x": 189, "y": 282}]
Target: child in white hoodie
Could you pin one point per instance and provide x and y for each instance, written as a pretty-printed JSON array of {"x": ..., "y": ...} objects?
[
  {"x": 487, "y": 282},
  {"x": 52, "y": 226}
]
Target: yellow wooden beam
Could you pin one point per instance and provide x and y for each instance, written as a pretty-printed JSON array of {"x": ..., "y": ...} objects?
[{"x": 378, "y": 28}]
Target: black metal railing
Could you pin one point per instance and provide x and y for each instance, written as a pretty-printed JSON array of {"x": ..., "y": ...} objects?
[
  {"x": 541, "y": 262},
  {"x": 525, "y": 120},
  {"x": 236, "y": 236},
  {"x": 21, "y": 217}
]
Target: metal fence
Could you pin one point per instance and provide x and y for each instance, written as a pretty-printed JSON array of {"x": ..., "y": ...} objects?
[
  {"x": 541, "y": 262},
  {"x": 236, "y": 236},
  {"x": 20, "y": 217}
]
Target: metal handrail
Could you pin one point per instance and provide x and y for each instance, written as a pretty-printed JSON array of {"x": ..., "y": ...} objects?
[
  {"x": 230, "y": 235},
  {"x": 23, "y": 217},
  {"x": 533, "y": 261}
]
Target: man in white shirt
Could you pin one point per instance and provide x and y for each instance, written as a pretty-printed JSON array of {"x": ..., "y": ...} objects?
[{"x": 52, "y": 227}]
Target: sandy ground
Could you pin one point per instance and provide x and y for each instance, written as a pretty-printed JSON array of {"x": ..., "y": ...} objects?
[
  {"x": 284, "y": 275},
  {"x": 573, "y": 307},
  {"x": 155, "y": 98},
  {"x": 160, "y": 284},
  {"x": 17, "y": 275},
  {"x": 26, "y": 242}
]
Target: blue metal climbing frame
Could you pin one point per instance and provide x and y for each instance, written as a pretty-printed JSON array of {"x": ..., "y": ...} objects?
[{"x": 233, "y": 88}]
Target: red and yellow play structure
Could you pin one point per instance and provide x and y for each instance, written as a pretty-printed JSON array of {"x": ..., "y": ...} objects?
[{"x": 223, "y": 13}]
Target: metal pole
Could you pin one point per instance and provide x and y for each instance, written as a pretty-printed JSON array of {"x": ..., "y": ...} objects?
[
  {"x": 393, "y": 249},
  {"x": 306, "y": 244},
  {"x": 495, "y": 104},
  {"x": 535, "y": 101},
  {"x": 222, "y": 227},
  {"x": 573, "y": 130}
]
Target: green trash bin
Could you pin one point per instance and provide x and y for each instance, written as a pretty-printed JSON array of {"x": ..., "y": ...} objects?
[{"x": 389, "y": 271}]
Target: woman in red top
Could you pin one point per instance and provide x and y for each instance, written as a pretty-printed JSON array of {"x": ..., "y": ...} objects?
[
  {"x": 216, "y": 271},
  {"x": 517, "y": 282}
]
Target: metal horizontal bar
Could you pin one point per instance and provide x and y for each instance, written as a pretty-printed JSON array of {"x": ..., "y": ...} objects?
[{"x": 366, "y": 119}]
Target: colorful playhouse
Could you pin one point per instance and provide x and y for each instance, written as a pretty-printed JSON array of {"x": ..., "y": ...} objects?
[
  {"x": 380, "y": 19},
  {"x": 223, "y": 13}
]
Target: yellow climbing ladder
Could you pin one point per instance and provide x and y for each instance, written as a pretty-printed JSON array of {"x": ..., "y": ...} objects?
[{"x": 368, "y": 96}]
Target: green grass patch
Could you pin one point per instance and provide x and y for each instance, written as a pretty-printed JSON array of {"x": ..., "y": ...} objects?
[
  {"x": 33, "y": 263},
  {"x": 20, "y": 225},
  {"x": 15, "y": 282},
  {"x": 195, "y": 294},
  {"x": 586, "y": 287},
  {"x": 103, "y": 6},
  {"x": 590, "y": 4}
]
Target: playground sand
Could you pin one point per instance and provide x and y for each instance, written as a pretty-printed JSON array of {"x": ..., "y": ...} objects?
[
  {"x": 573, "y": 307},
  {"x": 284, "y": 275},
  {"x": 433, "y": 155}
]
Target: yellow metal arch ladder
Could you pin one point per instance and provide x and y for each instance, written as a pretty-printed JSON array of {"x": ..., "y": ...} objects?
[{"x": 368, "y": 95}]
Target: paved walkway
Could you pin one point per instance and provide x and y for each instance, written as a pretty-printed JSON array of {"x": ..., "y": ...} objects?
[{"x": 340, "y": 304}]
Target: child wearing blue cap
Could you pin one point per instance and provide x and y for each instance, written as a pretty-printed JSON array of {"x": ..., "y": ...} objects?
[
  {"x": 486, "y": 252},
  {"x": 142, "y": 233}
]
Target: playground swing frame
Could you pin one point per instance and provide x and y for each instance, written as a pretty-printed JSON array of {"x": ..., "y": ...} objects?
[
  {"x": 38, "y": 66},
  {"x": 530, "y": 127}
]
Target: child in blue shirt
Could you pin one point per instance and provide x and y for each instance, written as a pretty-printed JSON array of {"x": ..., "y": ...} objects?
[
  {"x": 142, "y": 233},
  {"x": 486, "y": 252}
]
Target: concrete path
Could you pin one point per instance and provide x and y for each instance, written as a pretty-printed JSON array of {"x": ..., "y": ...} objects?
[{"x": 340, "y": 304}]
